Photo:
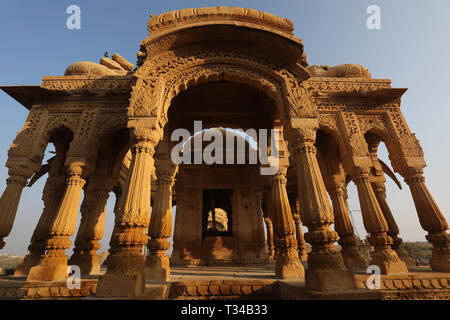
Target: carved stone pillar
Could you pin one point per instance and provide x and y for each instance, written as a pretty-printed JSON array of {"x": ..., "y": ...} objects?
[
  {"x": 125, "y": 273},
  {"x": 10, "y": 198},
  {"x": 118, "y": 192},
  {"x": 295, "y": 208},
  {"x": 177, "y": 238},
  {"x": 326, "y": 270},
  {"x": 344, "y": 228},
  {"x": 380, "y": 193},
  {"x": 301, "y": 248},
  {"x": 378, "y": 186},
  {"x": 157, "y": 262},
  {"x": 91, "y": 230},
  {"x": 53, "y": 264},
  {"x": 270, "y": 245},
  {"x": 262, "y": 247},
  {"x": 376, "y": 225},
  {"x": 288, "y": 264},
  {"x": 52, "y": 196},
  {"x": 430, "y": 217}
]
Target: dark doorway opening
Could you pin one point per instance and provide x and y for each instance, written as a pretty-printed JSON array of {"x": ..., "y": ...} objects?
[{"x": 217, "y": 213}]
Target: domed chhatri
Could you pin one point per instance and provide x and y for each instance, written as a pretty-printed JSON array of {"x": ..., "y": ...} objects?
[{"x": 204, "y": 73}]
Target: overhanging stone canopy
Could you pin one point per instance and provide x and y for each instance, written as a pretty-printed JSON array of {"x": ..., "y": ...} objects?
[{"x": 111, "y": 122}]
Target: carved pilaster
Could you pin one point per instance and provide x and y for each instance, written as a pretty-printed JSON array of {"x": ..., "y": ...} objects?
[
  {"x": 125, "y": 273},
  {"x": 157, "y": 262},
  {"x": 288, "y": 264},
  {"x": 53, "y": 265},
  {"x": 376, "y": 225},
  {"x": 326, "y": 270},
  {"x": 430, "y": 217}
]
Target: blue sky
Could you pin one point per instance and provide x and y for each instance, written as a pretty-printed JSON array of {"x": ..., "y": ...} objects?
[{"x": 412, "y": 49}]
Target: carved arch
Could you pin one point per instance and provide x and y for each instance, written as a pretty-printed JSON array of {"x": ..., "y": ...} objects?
[
  {"x": 330, "y": 125},
  {"x": 162, "y": 79},
  {"x": 376, "y": 125}
]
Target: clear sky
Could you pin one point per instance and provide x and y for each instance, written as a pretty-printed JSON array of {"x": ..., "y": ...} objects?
[{"x": 412, "y": 48}]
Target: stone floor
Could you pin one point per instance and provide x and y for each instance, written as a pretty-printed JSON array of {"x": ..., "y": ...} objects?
[{"x": 239, "y": 282}]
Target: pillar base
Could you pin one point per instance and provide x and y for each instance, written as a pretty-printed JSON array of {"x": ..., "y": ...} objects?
[
  {"x": 388, "y": 261},
  {"x": 289, "y": 266},
  {"x": 157, "y": 268},
  {"x": 120, "y": 286},
  {"x": 124, "y": 277},
  {"x": 330, "y": 280},
  {"x": 440, "y": 260},
  {"x": 31, "y": 260},
  {"x": 353, "y": 260},
  {"x": 440, "y": 256},
  {"x": 410, "y": 262},
  {"x": 88, "y": 263},
  {"x": 326, "y": 272},
  {"x": 302, "y": 255},
  {"x": 50, "y": 269}
]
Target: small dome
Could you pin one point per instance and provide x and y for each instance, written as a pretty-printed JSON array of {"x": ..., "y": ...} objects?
[{"x": 90, "y": 68}]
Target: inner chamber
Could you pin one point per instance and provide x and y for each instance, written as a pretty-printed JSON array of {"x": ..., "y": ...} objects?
[{"x": 218, "y": 214}]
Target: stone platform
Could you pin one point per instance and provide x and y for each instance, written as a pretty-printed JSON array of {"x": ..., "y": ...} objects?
[{"x": 240, "y": 282}]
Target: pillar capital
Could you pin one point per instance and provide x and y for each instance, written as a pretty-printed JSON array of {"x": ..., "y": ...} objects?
[
  {"x": 165, "y": 171},
  {"x": 301, "y": 133},
  {"x": 145, "y": 136},
  {"x": 412, "y": 175},
  {"x": 279, "y": 178}
]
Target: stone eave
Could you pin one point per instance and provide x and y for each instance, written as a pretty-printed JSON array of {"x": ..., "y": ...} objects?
[
  {"x": 388, "y": 93},
  {"x": 119, "y": 84},
  {"x": 29, "y": 96}
]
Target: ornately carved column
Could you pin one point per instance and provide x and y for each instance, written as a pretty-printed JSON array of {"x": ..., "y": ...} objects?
[
  {"x": 177, "y": 238},
  {"x": 91, "y": 229},
  {"x": 53, "y": 264},
  {"x": 270, "y": 245},
  {"x": 10, "y": 198},
  {"x": 380, "y": 193},
  {"x": 157, "y": 263},
  {"x": 378, "y": 186},
  {"x": 326, "y": 270},
  {"x": 344, "y": 228},
  {"x": 118, "y": 192},
  {"x": 262, "y": 246},
  {"x": 288, "y": 264},
  {"x": 301, "y": 248},
  {"x": 430, "y": 217},
  {"x": 376, "y": 225},
  {"x": 52, "y": 196},
  {"x": 125, "y": 273}
]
